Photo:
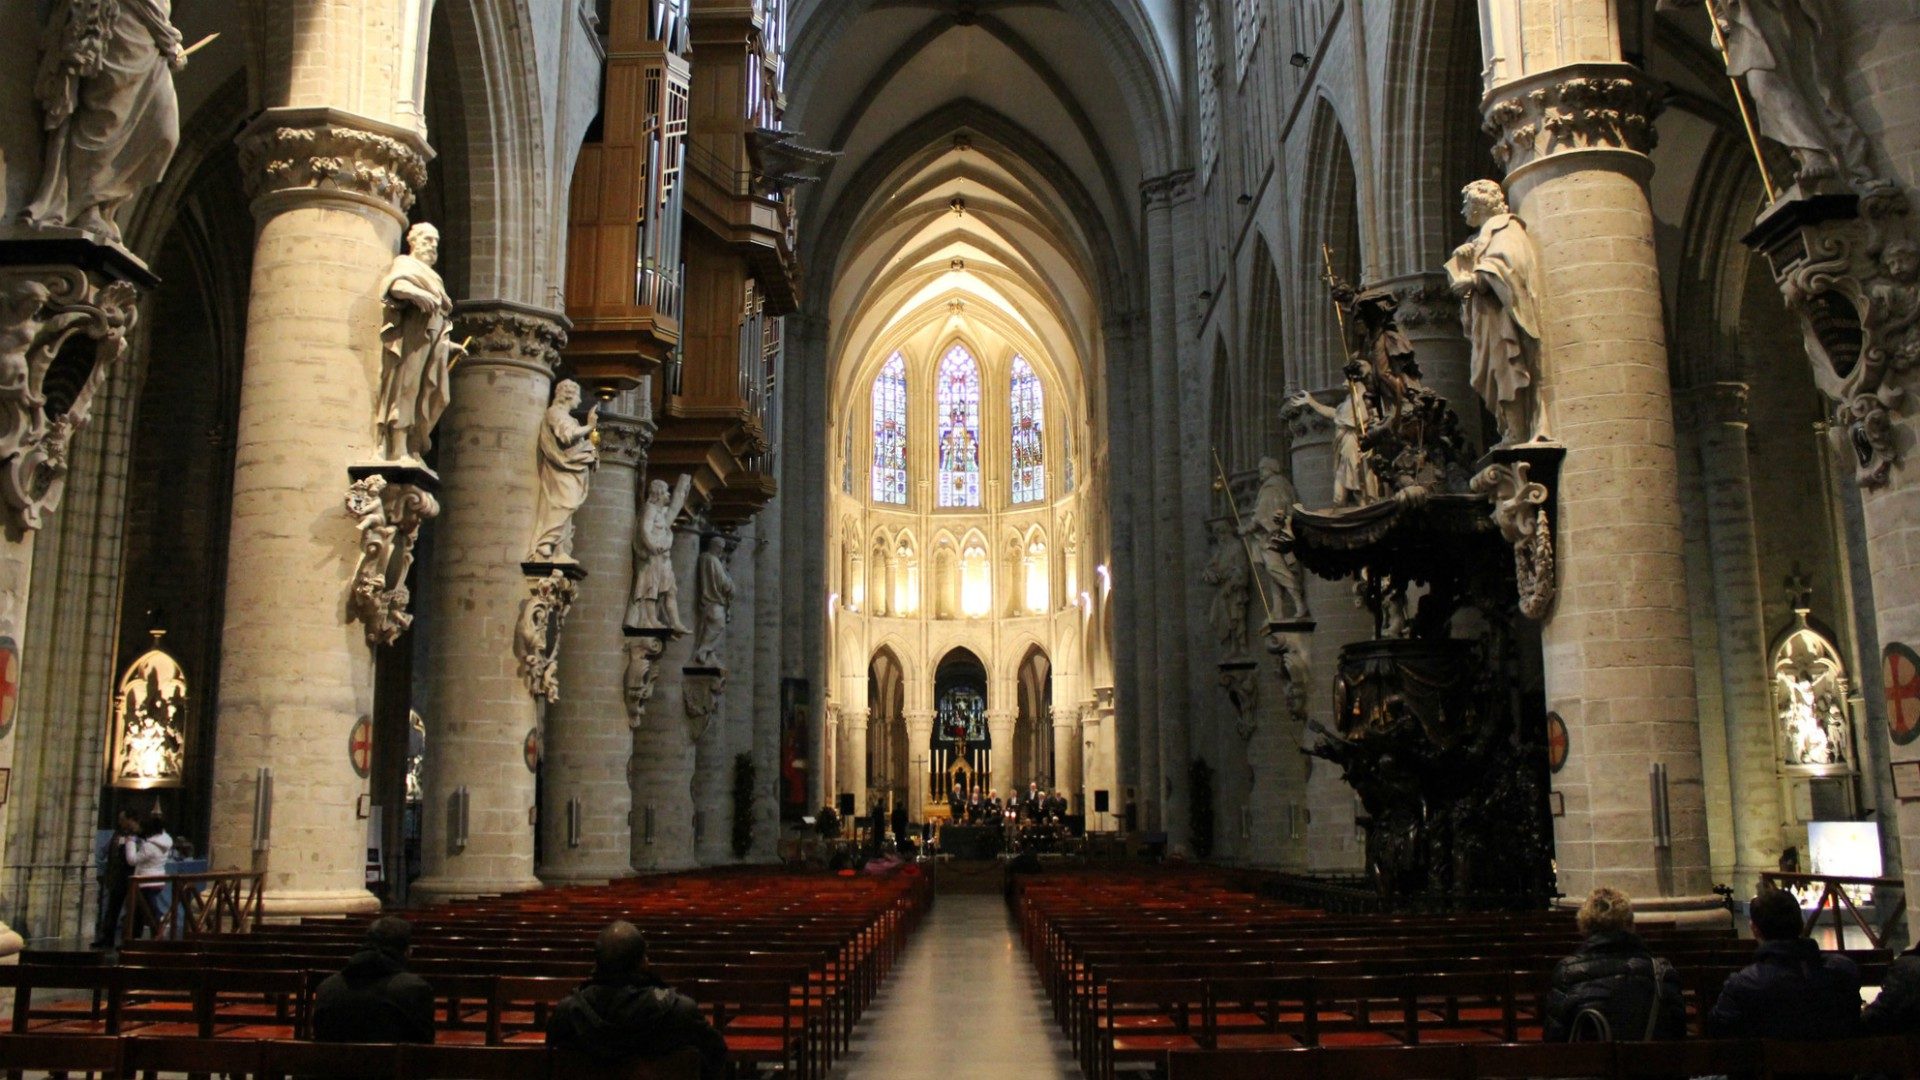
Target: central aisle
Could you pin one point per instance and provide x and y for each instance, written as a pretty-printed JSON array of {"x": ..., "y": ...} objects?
[{"x": 964, "y": 1002}]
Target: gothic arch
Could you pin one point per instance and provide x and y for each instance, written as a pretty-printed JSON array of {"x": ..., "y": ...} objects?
[
  {"x": 1332, "y": 200},
  {"x": 1431, "y": 121}
]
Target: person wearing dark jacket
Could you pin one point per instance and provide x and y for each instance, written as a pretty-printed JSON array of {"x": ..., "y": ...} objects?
[
  {"x": 1897, "y": 1010},
  {"x": 115, "y": 880},
  {"x": 1613, "y": 975},
  {"x": 625, "y": 1012},
  {"x": 1791, "y": 990},
  {"x": 375, "y": 998}
]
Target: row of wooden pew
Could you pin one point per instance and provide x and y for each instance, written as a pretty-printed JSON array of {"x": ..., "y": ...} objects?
[
  {"x": 782, "y": 963},
  {"x": 114, "y": 1057},
  {"x": 1144, "y": 966},
  {"x": 1851, "y": 1058}
]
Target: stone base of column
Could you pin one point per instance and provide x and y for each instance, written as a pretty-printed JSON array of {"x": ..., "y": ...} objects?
[
  {"x": 1678, "y": 911},
  {"x": 287, "y": 904},
  {"x": 435, "y": 890}
]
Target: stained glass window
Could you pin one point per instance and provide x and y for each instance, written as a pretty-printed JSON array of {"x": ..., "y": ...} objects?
[
  {"x": 957, "y": 394},
  {"x": 890, "y": 432},
  {"x": 1029, "y": 452},
  {"x": 1209, "y": 97}
]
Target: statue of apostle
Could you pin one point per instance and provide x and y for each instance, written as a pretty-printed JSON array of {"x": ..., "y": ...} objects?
[
  {"x": 112, "y": 122},
  {"x": 417, "y": 350},
  {"x": 567, "y": 456},
  {"x": 713, "y": 593},
  {"x": 1231, "y": 579},
  {"x": 1496, "y": 275},
  {"x": 1780, "y": 49},
  {"x": 1353, "y": 483},
  {"x": 655, "y": 604},
  {"x": 1270, "y": 529}
]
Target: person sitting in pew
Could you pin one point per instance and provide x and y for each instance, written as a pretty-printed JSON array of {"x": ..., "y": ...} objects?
[
  {"x": 1791, "y": 990},
  {"x": 1897, "y": 1010},
  {"x": 1612, "y": 987},
  {"x": 375, "y": 998},
  {"x": 625, "y": 1012}
]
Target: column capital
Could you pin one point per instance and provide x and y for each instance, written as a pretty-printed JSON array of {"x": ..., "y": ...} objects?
[
  {"x": 504, "y": 332},
  {"x": 1065, "y": 715},
  {"x": 1165, "y": 190},
  {"x": 624, "y": 440},
  {"x": 1578, "y": 108},
  {"x": 1424, "y": 300},
  {"x": 290, "y": 156},
  {"x": 1717, "y": 403}
]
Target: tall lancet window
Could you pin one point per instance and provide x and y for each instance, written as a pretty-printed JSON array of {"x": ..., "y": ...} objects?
[
  {"x": 890, "y": 432},
  {"x": 1029, "y": 452},
  {"x": 957, "y": 393}
]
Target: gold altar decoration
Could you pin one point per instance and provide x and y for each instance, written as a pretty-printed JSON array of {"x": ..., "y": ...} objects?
[{"x": 149, "y": 728}]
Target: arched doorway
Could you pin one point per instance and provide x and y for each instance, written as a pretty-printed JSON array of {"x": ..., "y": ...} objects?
[
  {"x": 1032, "y": 728},
  {"x": 960, "y": 719},
  {"x": 887, "y": 749}
]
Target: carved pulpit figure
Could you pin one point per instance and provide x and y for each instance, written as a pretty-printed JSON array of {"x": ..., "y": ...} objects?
[
  {"x": 713, "y": 593},
  {"x": 112, "y": 121},
  {"x": 417, "y": 350},
  {"x": 1231, "y": 578},
  {"x": 1780, "y": 50},
  {"x": 1496, "y": 275},
  {"x": 1268, "y": 530},
  {"x": 567, "y": 458},
  {"x": 655, "y": 604},
  {"x": 1352, "y": 480}
]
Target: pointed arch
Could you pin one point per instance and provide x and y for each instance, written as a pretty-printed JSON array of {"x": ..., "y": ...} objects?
[
  {"x": 956, "y": 391},
  {"x": 1333, "y": 203},
  {"x": 1263, "y": 363}
]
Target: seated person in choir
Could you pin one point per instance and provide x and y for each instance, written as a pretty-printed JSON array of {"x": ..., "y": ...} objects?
[
  {"x": 375, "y": 998},
  {"x": 1057, "y": 806},
  {"x": 1612, "y": 988},
  {"x": 625, "y": 1012},
  {"x": 1792, "y": 990},
  {"x": 956, "y": 802},
  {"x": 976, "y": 809}
]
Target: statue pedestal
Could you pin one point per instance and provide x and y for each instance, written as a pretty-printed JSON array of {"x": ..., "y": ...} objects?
[
  {"x": 536, "y": 634},
  {"x": 22, "y": 245},
  {"x": 569, "y": 569}
]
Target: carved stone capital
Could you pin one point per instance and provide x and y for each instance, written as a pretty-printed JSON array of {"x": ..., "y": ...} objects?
[
  {"x": 536, "y": 635},
  {"x": 388, "y": 508},
  {"x": 643, "y": 671},
  {"x": 1717, "y": 403},
  {"x": 624, "y": 440},
  {"x": 700, "y": 693},
  {"x": 63, "y": 325},
  {"x": 1307, "y": 426},
  {"x": 1424, "y": 304},
  {"x": 330, "y": 152},
  {"x": 1579, "y": 107},
  {"x": 1167, "y": 189},
  {"x": 1849, "y": 268},
  {"x": 515, "y": 333}
]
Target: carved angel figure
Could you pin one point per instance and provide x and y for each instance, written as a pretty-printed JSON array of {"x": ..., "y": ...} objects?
[
  {"x": 567, "y": 456},
  {"x": 112, "y": 122},
  {"x": 1779, "y": 49},
  {"x": 417, "y": 350},
  {"x": 655, "y": 604},
  {"x": 1496, "y": 275},
  {"x": 713, "y": 592}
]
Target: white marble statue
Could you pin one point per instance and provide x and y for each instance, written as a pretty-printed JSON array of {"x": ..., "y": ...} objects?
[
  {"x": 713, "y": 597},
  {"x": 1496, "y": 275},
  {"x": 417, "y": 350},
  {"x": 567, "y": 456},
  {"x": 108, "y": 108},
  {"x": 1272, "y": 508},
  {"x": 1781, "y": 50},
  {"x": 655, "y": 604},
  {"x": 1353, "y": 482},
  {"x": 1231, "y": 578}
]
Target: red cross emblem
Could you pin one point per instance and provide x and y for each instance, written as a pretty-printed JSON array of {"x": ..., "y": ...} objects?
[
  {"x": 1901, "y": 671},
  {"x": 530, "y": 750},
  {"x": 360, "y": 747},
  {"x": 9, "y": 683},
  {"x": 1557, "y": 742}
]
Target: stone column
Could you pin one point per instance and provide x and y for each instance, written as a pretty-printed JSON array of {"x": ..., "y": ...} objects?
[
  {"x": 480, "y": 712},
  {"x": 1066, "y": 748},
  {"x": 1430, "y": 317},
  {"x": 1333, "y": 843},
  {"x": 330, "y": 193},
  {"x": 919, "y": 762},
  {"x": 589, "y": 734},
  {"x": 661, "y": 772},
  {"x": 768, "y": 598},
  {"x": 1720, "y": 410},
  {"x": 1572, "y": 132},
  {"x": 713, "y": 755},
  {"x": 853, "y": 763},
  {"x": 1000, "y": 725}
]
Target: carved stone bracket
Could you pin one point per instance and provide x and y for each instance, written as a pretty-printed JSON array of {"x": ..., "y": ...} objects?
[
  {"x": 1288, "y": 646},
  {"x": 644, "y": 647},
  {"x": 1849, "y": 268},
  {"x": 1518, "y": 482},
  {"x": 1241, "y": 680},
  {"x": 1576, "y": 107},
  {"x": 503, "y": 330},
  {"x": 389, "y": 504},
  {"x": 329, "y": 150},
  {"x": 701, "y": 688},
  {"x": 66, "y": 307},
  {"x": 536, "y": 636}
]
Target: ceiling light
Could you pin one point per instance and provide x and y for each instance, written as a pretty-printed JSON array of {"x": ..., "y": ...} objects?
[{"x": 958, "y": 206}]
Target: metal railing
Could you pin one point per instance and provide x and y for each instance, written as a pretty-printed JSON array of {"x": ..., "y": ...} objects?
[{"x": 1836, "y": 894}]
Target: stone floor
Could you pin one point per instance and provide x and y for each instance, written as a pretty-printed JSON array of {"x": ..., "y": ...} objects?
[{"x": 963, "y": 1002}]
